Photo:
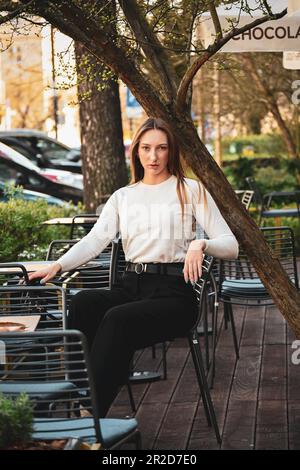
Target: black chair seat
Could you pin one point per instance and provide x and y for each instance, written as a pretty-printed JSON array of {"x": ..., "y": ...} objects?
[
  {"x": 112, "y": 430},
  {"x": 243, "y": 287},
  {"x": 281, "y": 213}
]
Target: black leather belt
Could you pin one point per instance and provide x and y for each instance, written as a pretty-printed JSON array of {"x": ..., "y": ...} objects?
[{"x": 175, "y": 269}]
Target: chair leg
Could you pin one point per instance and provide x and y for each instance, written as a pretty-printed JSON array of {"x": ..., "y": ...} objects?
[
  {"x": 164, "y": 360},
  {"x": 138, "y": 441},
  {"x": 226, "y": 316},
  {"x": 206, "y": 339},
  {"x": 212, "y": 368},
  {"x": 131, "y": 399},
  {"x": 235, "y": 341},
  {"x": 203, "y": 385},
  {"x": 153, "y": 352}
]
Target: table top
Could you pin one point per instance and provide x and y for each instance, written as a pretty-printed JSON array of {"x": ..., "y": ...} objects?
[
  {"x": 32, "y": 266},
  {"x": 28, "y": 265},
  {"x": 71, "y": 221}
]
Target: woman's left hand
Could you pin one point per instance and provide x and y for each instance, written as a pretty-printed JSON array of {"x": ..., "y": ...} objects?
[{"x": 193, "y": 261}]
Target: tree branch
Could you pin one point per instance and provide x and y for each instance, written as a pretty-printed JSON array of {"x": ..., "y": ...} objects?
[
  {"x": 215, "y": 19},
  {"x": 151, "y": 46},
  {"x": 74, "y": 22},
  {"x": 212, "y": 49},
  {"x": 9, "y": 6}
]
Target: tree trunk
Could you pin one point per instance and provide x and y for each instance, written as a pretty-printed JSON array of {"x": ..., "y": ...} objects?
[
  {"x": 286, "y": 134},
  {"x": 249, "y": 236},
  {"x": 103, "y": 156},
  {"x": 271, "y": 105}
]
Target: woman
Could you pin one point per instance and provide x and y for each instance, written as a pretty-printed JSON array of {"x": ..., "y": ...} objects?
[{"x": 155, "y": 217}]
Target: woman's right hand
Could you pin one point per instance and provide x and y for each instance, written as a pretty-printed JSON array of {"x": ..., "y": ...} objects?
[{"x": 45, "y": 274}]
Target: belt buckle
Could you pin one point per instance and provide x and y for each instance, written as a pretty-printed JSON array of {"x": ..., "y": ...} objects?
[{"x": 143, "y": 268}]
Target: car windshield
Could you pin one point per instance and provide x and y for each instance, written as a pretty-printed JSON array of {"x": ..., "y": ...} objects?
[{"x": 48, "y": 148}]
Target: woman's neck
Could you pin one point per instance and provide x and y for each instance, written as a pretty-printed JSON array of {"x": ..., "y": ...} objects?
[{"x": 155, "y": 179}]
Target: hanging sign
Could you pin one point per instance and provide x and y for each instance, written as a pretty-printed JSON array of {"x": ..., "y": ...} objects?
[{"x": 272, "y": 36}]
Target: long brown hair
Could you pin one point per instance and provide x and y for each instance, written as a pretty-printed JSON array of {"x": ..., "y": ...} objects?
[{"x": 174, "y": 164}]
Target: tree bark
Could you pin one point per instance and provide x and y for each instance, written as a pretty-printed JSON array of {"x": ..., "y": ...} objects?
[{"x": 103, "y": 156}]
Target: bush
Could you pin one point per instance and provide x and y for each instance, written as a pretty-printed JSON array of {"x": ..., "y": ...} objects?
[
  {"x": 262, "y": 145},
  {"x": 16, "y": 421},
  {"x": 281, "y": 175},
  {"x": 21, "y": 232}
]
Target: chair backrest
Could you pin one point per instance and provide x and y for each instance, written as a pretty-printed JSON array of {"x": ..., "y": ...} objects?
[
  {"x": 200, "y": 286},
  {"x": 257, "y": 196},
  {"x": 53, "y": 370},
  {"x": 247, "y": 198},
  {"x": 12, "y": 273},
  {"x": 118, "y": 262},
  {"x": 33, "y": 307},
  {"x": 83, "y": 222},
  {"x": 57, "y": 248},
  {"x": 95, "y": 275},
  {"x": 281, "y": 242}
]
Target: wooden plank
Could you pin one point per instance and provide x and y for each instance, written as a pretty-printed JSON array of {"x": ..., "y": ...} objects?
[
  {"x": 294, "y": 424},
  {"x": 275, "y": 328},
  {"x": 175, "y": 430},
  {"x": 239, "y": 430},
  {"x": 272, "y": 425},
  {"x": 273, "y": 374}
]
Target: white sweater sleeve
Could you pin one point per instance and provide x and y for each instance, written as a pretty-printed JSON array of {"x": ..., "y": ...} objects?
[
  {"x": 103, "y": 232},
  {"x": 222, "y": 243}
]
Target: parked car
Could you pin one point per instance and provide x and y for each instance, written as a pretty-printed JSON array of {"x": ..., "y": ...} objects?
[
  {"x": 60, "y": 176},
  {"x": 18, "y": 170},
  {"x": 43, "y": 150},
  {"x": 28, "y": 195}
]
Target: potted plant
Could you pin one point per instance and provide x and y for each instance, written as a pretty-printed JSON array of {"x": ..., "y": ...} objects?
[{"x": 17, "y": 425}]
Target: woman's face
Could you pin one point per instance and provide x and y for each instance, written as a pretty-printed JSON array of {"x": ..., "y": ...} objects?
[{"x": 153, "y": 151}]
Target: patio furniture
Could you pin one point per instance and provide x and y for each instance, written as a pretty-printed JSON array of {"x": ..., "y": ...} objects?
[
  {"x": 40, "y": 371},
  {"x": 239, "y": 281},
  {"x": 48, "y": 303},
  {"x": 86, "y": 221},
  {"x": 264, "y": 203},
  {"x": 246, "y": 198},
  {"x": 118, "y": 266}
]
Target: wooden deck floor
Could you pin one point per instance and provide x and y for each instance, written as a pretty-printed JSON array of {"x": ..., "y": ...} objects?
[{"x": 257, "y": 398}]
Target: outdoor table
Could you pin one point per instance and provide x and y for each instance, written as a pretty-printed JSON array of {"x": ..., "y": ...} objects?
[
  {"x": 69, "y": 221},
  {"x": 86, "y": 222}
]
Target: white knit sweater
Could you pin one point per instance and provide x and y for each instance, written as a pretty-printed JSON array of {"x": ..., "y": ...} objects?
[{"x": 150, "y": 223}]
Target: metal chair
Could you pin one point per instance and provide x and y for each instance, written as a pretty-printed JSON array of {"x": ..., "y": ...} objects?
[
  {"x": 240, "y": 283},
  {"x": 49, "y": 374},
  {"x": 94, "y": 275},
  {"x": 118, "y": 265},
  {"x": 264, "y": 202},
  {"x": 85, "y": 222},
  {"x": 12, "y": 273},
  {"x": 48, "y": 303},
  {"x": 246, "y": 198}
]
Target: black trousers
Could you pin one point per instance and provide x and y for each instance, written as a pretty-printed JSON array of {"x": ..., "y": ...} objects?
[{"x": 143, "y": 309}]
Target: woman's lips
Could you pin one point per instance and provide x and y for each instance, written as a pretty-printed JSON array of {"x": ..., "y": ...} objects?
[{"x": 153, "y": 166}]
